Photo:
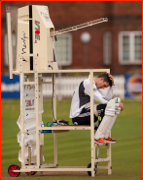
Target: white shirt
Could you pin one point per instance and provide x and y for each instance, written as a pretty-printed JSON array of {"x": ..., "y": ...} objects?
[{"x": 98, "y": 96}]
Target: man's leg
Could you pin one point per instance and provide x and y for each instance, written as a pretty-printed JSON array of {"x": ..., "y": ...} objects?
[
  {"x": 99, "y": 111},
  {"x": 83, "y": 118},
  {"x": 112, "y": 123},
  {"x": 108, "y": 120}
]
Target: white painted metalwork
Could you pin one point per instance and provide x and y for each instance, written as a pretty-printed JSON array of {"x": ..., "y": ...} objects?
[
  {"x": 43, "y": 62},
  {"x": 80, "y": 26},
  {"x": 54, "y": 167},
  {"x": 10, "y": 45}
]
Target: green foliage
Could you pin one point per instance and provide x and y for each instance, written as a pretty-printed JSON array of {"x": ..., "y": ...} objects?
[{"x": 74, "y": 146}]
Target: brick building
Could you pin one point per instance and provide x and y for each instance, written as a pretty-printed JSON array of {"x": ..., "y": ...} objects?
[{"x": 116, "y": 44}]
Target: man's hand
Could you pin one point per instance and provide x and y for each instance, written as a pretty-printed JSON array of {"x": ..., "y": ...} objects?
[
  {"x": 111, "y": 78},
  {"x": 121, "y": 106}
]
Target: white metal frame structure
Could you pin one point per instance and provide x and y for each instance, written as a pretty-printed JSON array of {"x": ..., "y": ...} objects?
[
  {"x": 53, "y": 167},
  {"x": 36, "y": 73}
]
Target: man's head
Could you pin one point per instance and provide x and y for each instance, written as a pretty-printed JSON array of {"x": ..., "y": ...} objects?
[{"x": 103, "y": 81}]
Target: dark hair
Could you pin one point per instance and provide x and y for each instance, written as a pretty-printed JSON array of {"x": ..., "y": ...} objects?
[{"x": 106, "y": 78}]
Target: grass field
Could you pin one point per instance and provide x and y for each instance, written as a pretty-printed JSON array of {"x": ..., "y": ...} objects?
[{"x": 74, "y": 147}]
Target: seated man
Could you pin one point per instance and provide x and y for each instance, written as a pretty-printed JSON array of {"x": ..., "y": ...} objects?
[{"x": 107, "y": 110}]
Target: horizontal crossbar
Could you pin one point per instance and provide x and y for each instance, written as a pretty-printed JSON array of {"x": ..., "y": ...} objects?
[
  {"x": 102, "y": 159},
  {"x": 55, "y": 169},
  {"x": 68, "y": 71},
  {"x": 66, "y": 128}
]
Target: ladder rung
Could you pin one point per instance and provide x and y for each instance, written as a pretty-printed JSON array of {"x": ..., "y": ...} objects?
[
  {"x": 102, "y": 159},
  {"x": 28, "y": 83}
]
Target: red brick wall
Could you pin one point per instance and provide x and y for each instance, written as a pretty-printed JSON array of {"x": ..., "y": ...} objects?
[
  {"x": 122, "y": 15},
  {"x": 131, "y": 8}
]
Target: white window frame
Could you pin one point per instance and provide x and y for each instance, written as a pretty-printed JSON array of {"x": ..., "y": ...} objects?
[
  {"x": 107, "y": 51},
  {"x": 132, "y": 59},
  {"x": 62, "y": 63}
]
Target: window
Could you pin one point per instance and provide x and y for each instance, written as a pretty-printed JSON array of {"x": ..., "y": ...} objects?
[
  {"x": 107, "y": 48},
  {"x": 63, "y": 47},
  {"x": 130, "y": 47}
]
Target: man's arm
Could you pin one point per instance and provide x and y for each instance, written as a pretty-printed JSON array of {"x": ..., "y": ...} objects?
[
  {"x": 97, "y": 96},
  {"x": 109, "y": 94}
]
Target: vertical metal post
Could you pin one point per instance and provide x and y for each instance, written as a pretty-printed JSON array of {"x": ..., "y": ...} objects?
[
  {"x": 92, "y": 125},
  {"x": 36, "y": 79},
  {"x": 41, "y": 159},
  {"x": 29, "y": 157},
  {"x": 40, "y": 94},
  {"x": 109, "y": 150},
  {"x": 40, "y": 119},
  {"x": 54, "y": 105},
  {"x": 22, "y": 119},
  {"x": 10, "y": 45}
]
